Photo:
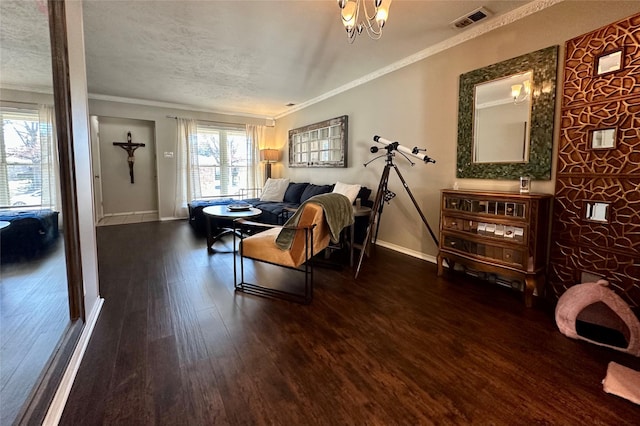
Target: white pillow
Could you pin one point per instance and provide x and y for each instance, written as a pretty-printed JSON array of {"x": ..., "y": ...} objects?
[
  {"x": 274, "y": 190},
  {"x": 349, "y": 191}
]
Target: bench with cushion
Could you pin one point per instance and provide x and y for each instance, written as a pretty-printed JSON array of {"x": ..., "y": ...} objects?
[{"x": 30, "y": 232}]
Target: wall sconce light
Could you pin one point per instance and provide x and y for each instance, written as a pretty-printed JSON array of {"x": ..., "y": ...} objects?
[
  {"x": 269, "y": 156},
  {"x": 517, "y": 92}
]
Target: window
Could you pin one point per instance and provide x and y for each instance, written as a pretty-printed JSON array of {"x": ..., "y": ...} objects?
[
  {"x": 20, "y": 159},
  {"x": 224, "y": 160}
]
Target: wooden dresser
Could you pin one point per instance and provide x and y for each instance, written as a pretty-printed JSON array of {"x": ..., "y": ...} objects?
[{"x": 505, "y": 233}]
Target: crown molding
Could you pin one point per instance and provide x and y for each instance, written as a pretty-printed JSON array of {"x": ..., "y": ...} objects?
[
  {"x": 490, "y": 25},
  {"x": 133, "y": 101},
  {"x": 45, "y": 90},
  {"x": 170, "y": 105}
]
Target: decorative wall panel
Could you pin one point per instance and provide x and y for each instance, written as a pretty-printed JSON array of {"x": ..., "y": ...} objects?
[
  {"x": 575, "y": 154},
  {"x": 598, "y": 164},
  {"x": 621, "y": 232},
  {"x": 582, "y": 84}
]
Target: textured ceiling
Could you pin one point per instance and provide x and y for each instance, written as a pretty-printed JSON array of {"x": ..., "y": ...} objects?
[
  {"x": 247, "y": 57},
  {"x": 25, "y": 53}
]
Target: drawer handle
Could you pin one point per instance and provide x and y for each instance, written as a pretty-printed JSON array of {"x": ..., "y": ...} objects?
[{"x": 507, "y": 256}]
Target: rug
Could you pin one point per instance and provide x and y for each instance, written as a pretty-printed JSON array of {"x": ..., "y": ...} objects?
[{"x": 622, "y": 381}]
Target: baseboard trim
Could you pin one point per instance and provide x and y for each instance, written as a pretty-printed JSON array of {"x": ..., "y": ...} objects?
[
  {"x": 407, "y": 251},
  {"x": 60, "y": 398},
  {"x": 130, "y": 213}
]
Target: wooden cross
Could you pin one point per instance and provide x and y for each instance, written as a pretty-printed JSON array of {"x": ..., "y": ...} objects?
[{"x": 130, "y": 148}]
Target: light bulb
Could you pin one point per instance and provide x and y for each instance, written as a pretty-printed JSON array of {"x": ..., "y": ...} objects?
[
  {"x": 515, "y": 91},
  {"x": 381, "y": 17},
  {"x": 349, "y": 15}
]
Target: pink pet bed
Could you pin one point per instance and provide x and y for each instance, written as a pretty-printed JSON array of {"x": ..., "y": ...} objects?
[{"x": 596, "y": 314}]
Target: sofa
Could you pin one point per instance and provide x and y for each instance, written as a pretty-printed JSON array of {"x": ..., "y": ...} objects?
[
  {"x": 276, "y": 212},
  {"x": 29, "y": 234}
]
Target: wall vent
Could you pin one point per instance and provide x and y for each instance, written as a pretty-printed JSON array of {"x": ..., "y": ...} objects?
[{"x": 471, "y": 18}]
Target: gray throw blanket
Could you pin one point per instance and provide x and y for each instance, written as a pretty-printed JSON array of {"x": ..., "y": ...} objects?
[{"x": 337, "y": 212}]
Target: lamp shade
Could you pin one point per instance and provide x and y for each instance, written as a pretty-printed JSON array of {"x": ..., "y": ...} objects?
[{"x": 269, "y": 155}]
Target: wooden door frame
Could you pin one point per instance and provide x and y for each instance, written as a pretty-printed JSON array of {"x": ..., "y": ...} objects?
[{"x": 96, "y": 166}]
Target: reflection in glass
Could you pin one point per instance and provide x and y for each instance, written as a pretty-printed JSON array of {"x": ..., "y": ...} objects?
[
  {"x": 610, "y": 62},
  {"x": 34, "y": 301},
  {"x": 603, "y": 138},
  {"x": 502, "y": 113},
  {"x": 316, "y": 141},
  {"x": 596, "y": 211}
]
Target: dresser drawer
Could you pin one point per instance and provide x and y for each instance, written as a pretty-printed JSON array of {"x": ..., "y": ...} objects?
[
  {"x": 511, "y": 256},
  {"x": 501, "y": 233}
]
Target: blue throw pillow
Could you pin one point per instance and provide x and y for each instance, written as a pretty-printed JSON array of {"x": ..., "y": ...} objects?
[
  {"x": 294, "y": 192},
  {"x": 312, "y": 190}
]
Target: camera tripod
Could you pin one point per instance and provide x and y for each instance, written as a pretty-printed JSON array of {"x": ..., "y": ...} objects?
[{"x": 383, "y": 194}]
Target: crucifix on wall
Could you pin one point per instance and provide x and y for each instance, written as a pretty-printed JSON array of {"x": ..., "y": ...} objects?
[{"x": 130, "y": 147}]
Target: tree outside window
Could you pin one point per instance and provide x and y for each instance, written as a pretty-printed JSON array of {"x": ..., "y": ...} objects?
[
  {"x": 224, "y": 160},
  {"x": 20, "y": 159}
]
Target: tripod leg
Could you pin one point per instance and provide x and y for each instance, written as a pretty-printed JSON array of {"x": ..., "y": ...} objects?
[
  {"x": 376, "y": 210},
  {"x": 375, "y": 236},
  {"x": 415, "y": 203}
]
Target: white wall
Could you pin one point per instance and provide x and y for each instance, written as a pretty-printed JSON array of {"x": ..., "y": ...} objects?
[
  {"x": 165, "y": 138},
  {"x": 26, "y": 97},
  {"x": 418, "y": 106},
  {"x": 119, "y": 195}
]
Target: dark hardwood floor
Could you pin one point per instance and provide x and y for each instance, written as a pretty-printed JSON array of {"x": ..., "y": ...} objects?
[
  {"x": 175, "y": 345},
  {"x": 34, "y": 314}
]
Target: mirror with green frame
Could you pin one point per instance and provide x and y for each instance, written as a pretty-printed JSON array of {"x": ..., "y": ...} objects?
[{"x": 505, "y": 118}]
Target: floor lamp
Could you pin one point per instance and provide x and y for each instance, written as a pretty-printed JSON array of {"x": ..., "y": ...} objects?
[{"x": 269, "y": 156}]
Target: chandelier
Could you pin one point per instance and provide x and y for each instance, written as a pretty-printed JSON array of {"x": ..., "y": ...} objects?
[{"x": 356, "y": 18}]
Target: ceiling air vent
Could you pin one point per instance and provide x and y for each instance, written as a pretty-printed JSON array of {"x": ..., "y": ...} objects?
[{"x": 471, "y": 18}]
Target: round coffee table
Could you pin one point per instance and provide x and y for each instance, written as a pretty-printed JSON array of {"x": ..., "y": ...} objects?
[{"x": 223, "y": 213}]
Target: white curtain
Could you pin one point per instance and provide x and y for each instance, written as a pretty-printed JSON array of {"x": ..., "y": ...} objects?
[
  {"x": 187, "y": 176},
  {"x": 256, "y": 137},
  {"x": 49, "y": 163},
  {"x": 4, "y": 173}
]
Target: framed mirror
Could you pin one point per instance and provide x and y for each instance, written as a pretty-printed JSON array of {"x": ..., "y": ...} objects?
[
  {"x": 596, "y": 211},
  {"x": 505, "y": 118},
  {"x": 609, "y": 62},
  {"x": 322, "y": 144},
  {"x": 42, "y": 284},
  {"x": 603, "y": 138}
]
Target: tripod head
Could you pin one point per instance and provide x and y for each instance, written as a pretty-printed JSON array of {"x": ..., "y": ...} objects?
[{"x": 395, "y": 146}]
